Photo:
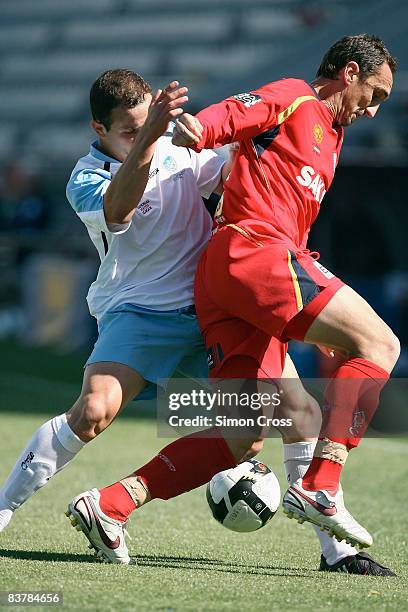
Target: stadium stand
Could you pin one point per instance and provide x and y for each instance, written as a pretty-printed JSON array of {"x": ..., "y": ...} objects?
[{"x": 51, "y": 52}]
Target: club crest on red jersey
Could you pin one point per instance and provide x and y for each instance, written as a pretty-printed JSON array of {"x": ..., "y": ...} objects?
[{"x": 318, "y": 133}]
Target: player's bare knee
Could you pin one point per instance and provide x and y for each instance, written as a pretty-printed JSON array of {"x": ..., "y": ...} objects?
[
  {"x": 96, "y": 414},
  {"x": 394, "y": 349},
  {"x": 384, "y": 349}
]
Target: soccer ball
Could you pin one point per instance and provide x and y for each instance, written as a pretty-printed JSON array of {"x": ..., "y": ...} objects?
[{"x": 244, "y": 498}]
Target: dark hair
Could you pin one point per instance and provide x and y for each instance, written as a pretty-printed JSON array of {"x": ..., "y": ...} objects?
[
  {"x": 119, "y": 87},
  {"x": 368, "y": 51}
]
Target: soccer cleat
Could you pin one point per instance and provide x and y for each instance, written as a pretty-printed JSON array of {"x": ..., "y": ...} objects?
[
  {"x": 327, "y": 511},
  {"x": 105, "y": 534},
  {"x": 361, "y": 563}
]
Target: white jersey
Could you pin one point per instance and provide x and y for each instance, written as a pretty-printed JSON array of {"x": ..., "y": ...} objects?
[{"x": 151, "y": 261}]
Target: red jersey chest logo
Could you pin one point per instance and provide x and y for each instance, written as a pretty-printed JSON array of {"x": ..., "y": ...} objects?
[
  {"x": 309, "y": 178},
  {"x": 318, "y": 133}
]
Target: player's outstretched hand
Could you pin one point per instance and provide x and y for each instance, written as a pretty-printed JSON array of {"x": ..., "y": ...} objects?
[
  {"x": 165, "y": 106},
  {"x": 187, "y": 132}
]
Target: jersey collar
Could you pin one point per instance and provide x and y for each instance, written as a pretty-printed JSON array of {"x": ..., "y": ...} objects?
[{"x": 96, "y": 152}]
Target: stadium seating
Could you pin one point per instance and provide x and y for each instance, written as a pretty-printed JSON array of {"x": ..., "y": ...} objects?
[
  {"x": 29, "y": 11},
  {"x": 74, "y": 66},
  {"x": 52, "y": 50},
  {"x": 24, "y": 37},
  {"x": 41, "y": 103},
  {"x": 154, "y": 29}
]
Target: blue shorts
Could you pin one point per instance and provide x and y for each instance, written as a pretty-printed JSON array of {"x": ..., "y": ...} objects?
[{"x": 156, "y": 344}]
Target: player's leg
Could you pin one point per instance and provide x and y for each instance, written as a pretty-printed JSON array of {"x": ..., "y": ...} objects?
[
  {"x": 346, "y": 323},
  {"x": 182, "y": 465},
  {"x": 107, "y": 387},
  {"x": 349, "y": 324},
  {"x": 298, "y": 447}
]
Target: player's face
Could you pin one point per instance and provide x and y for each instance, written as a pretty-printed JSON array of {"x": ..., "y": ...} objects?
[
  {"x": 125, "y": 124},
  {"x": 363, "y": 97}
]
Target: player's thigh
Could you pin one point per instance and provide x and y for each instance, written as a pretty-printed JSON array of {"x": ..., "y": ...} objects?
[
  {"x": 107, "y": 387},
  {"x": 350, "y": 325}
]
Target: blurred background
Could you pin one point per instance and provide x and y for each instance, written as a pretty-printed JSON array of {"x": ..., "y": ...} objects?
[{"x": 50, "y": 53}]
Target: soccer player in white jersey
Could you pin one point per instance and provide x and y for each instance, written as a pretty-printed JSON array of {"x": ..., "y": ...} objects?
[{"x": 140, "y": 199}]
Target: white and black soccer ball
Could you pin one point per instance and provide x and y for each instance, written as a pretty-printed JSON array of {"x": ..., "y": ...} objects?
[{"x": 244, "y": 498}]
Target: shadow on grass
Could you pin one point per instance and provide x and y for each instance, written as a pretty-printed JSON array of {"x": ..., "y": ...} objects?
[
  {"x": 164, "y": 561},
  {"x": 39, "y": 555},
  {"x": 218, "y": 565}
]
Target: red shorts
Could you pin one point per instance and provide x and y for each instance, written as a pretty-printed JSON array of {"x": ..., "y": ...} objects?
[{"x": 246, "y": 294}]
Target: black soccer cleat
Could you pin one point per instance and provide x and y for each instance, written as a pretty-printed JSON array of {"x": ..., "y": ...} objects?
[{"x": 361, "y": 563}]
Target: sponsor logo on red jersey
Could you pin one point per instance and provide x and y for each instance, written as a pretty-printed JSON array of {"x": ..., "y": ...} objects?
[
  {"x": 248, "y": 99},
  {"x": 310, "y": 179}
]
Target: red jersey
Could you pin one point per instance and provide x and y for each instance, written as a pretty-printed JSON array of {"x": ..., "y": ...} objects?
[{"x": 286, "y": 161}]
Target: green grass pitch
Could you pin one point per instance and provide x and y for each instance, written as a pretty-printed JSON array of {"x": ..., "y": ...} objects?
[{"x": 185, "y": 560}]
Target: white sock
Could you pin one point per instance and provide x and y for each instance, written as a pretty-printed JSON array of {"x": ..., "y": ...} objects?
[
  {"x": 52, "y": 446},
  {"x": 297, "y": 458}
]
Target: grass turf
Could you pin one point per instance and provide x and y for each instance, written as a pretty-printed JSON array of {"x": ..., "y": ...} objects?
[{"x": 186, "y": 561}]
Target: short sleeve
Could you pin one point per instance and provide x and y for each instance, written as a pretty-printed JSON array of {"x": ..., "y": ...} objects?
[
  {"x": 207, "y": 167},
  {"x": 85, "y": 192}
]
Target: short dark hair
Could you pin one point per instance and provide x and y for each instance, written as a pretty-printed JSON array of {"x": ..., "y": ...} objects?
[
  {"x": 113, "y": 88},
  {"x": 367, "y": 50}
]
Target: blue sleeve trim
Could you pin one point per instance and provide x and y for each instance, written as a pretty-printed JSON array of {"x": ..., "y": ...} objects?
[{"x": 85, "y": 190}]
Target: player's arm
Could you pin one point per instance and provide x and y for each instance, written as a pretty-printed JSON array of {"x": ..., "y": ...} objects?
[
  {"x": 128, "y": 185},
  {"x": 238, "y": 118}
]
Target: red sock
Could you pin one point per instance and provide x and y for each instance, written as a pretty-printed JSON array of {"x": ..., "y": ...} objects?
[
  {"x": 186, "y": 464},
  {"x": 116, "y": 502},
  {"x": 351, "y": 399},
  {"x": 183, "y": 465},
  {"x": 322, "y": 474}
]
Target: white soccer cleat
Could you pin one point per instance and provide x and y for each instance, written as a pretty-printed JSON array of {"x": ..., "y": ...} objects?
[
  {"x": 105, "y": 534},
  {"x": 327, "y": 511}
]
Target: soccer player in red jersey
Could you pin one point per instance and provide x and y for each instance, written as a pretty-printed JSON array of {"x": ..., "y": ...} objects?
[{"x": 257, "y": 285}]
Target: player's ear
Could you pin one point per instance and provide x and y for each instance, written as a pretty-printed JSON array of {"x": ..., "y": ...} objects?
[
  {"x": 351, "y": 72},
  {"x": 98, "y": 127}
]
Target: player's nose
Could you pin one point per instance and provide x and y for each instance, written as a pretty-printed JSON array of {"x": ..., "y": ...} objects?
[{"x": 371, "y": 111}]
